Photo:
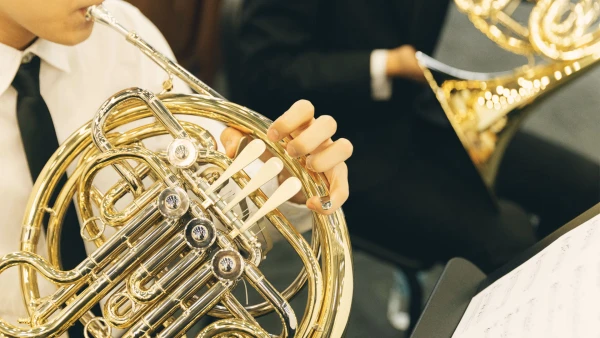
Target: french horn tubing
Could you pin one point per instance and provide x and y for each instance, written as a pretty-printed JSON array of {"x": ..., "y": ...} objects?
[
  {"x": 486, "y": 109},
  {"x": 165, "y": 263}
]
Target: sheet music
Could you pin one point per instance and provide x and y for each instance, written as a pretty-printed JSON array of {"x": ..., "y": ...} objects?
[{"x": 556, "y": 293}]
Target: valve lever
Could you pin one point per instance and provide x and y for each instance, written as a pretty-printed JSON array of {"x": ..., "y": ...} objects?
[
  {"x": 252, "y": 151},
  {"x": 286, "y": 190},
  {"x": 269, "y": 170}
]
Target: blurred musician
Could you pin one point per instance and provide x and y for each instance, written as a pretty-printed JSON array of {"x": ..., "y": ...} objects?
[{"x": 410, "y": 199}]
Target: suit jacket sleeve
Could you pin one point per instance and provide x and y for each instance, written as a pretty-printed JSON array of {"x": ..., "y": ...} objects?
[{"x": 281, "y": 56}]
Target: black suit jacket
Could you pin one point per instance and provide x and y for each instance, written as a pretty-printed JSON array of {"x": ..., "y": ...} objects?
[{"x": 320, "y": 50}]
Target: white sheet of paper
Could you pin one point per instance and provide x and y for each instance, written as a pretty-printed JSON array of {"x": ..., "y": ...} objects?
[{"x": 556, "y": 293}]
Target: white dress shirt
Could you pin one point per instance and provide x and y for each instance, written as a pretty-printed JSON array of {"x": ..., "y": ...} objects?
[
  {"x": 381, "y": 84},
  {"x": 74, "y": 82}
]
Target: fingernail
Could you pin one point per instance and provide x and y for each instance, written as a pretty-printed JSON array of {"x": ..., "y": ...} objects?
[
  {"x": 292, "y": 152},
  {"x": 273, "y": 134},
  {"x": 309, "y": 163},
  {"x": 326, "y": 202}
]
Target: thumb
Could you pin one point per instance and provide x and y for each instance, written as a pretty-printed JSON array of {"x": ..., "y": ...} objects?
[{"x": 230, "y": 138}]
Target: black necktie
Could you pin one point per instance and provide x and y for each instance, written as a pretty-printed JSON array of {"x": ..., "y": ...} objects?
[{"x": 40, "y": 142}]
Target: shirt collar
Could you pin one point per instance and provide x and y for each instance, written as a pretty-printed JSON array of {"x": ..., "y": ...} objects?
[{"x": 51, "y": 53}]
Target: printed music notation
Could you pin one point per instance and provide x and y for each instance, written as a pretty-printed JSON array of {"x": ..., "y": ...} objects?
[{"x": 555, "y": 293}]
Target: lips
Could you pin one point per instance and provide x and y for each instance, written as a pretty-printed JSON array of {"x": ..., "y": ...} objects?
[
  {"x": 92, "y": 3},
  {"x": 83, "y": 10}
]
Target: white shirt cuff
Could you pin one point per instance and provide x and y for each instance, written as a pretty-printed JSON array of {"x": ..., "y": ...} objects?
[
  {"x": 298, "y": 214},
  {"x": 381, "y": 85}
]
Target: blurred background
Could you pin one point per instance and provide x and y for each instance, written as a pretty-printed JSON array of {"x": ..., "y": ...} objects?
[{"x": 204, "y": 36}]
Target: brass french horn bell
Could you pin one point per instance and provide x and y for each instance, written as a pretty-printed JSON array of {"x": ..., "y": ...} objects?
[
  {"x": 486, "y": 109},
  {"x": 169, "y": 247}
]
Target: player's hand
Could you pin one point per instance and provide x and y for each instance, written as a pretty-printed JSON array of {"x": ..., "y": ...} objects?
[
  {"x": 311, "y": 137},
  {"x": 401, "y": 62}
]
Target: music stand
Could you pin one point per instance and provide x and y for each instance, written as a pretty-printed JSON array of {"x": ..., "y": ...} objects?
[{"x": 461, "y": 281}]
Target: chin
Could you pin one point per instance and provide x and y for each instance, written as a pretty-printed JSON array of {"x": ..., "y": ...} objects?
[{"x": 75, "y": 37}]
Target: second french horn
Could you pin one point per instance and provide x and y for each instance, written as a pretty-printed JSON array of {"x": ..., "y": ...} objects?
[{"x": 486, "y": 109}]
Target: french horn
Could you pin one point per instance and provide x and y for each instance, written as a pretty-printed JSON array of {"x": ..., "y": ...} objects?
[
  {"x": 486, "y": 109},
  {"x": 167, "y": 264}
]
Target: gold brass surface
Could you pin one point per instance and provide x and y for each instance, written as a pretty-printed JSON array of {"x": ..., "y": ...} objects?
[
  {"x": 486, "y": 109},
  {"x": 144, "y": 267}
]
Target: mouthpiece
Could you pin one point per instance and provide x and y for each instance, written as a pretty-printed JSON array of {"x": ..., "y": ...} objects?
[{"x": 100, "y": 14}]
